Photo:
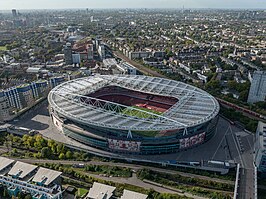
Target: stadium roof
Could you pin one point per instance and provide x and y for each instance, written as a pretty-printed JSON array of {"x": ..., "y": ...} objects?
[
  {"x": 100, "y": 191},
  {"x": 46, "y": 176},
  {"x": 21, "y": 169},
  {"x": 194, "y": 105},
  {"x": 133, "y": 195}
]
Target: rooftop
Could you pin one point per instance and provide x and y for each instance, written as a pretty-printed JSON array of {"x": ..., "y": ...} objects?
[
  {"x": 133, "y": 195},
  {"x": 194, "y": 105},
  {"x": 46, "y": 176},
  {"x": 21, "y": 169},
  {"x": 5, "y": 162},
  {"x": 100, "y": 191}
]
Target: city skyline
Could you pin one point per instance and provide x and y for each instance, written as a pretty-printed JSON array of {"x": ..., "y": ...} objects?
[{"x": 67, "y": 4}]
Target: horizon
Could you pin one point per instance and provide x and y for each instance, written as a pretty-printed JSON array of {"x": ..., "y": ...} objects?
[
  {"x": 137, "y": 4},
  {"x": 80, "y": 9}
]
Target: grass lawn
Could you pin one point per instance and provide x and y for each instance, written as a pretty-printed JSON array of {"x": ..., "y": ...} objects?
[
  {"x": 140, "y": 114},
  {"x": 82, "y": 192},
  {"x": 2, "y": 48},
  {"x": 109, "y": 170}
]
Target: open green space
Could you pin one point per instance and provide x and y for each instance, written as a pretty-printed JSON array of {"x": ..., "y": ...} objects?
[
  {"x": 74, "y": 177},
  {"x": 82, "y": 192},
  {"x": 200, "y": 187},
  {"x": 2, "y": 48},
  {"x": 109, "y": 170}
]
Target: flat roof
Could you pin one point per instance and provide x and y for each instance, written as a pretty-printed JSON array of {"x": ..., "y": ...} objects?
[
  {"x": 46, "y": 176},
  {"x": 133, "y": 195},
  {"x": 21, "y": 169},
  {"x": 100, "y": 191},
  {"x": 5, "y": 162}
]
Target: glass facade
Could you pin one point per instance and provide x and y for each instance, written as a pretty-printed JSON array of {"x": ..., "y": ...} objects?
[{"x": 149, "y": 145}]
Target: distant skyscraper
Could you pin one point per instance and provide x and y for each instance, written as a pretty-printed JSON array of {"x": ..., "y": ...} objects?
[
  {"x": 14, "y": 13},
  {"x": 68, "y": 54},
  {"x": 257, "y": 92}
]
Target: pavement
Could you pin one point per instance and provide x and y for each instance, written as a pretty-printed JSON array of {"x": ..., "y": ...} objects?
[
  {"x": 39, "y": 119},
  {"x": 125, "y": 165},
  {"x": 228, "y": 143}
]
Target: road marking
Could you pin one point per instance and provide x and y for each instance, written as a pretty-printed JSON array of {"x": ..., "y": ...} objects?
[
  {"x": 220, "y": 142},
  {"x": 249, "y": 145}
]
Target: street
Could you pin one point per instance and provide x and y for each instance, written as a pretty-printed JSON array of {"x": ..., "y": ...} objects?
[{"x": 229, "y": 143}]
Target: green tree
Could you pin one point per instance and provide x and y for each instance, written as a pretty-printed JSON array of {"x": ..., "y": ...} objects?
[
  {"x": 52, "y": 145},
  {"x": 69, "y": 155},
  {"x": 40, "y": 142},
  {"x": 28, "y": 196},
  {"x": 46, "y": 152},
  {"x": 60, "y": 148},
  {"x": 61, "y": 156}
]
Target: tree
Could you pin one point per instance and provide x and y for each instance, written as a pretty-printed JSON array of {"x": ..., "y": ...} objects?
[
  {"x": 28, "y": 196},
  {"x": 69, "y": 155},
  {"x": 46, "y": 152},
  {"x": 61, "y": 156},
  {"x": 60, "y": 148},
  {"x": 52, "y": 145},
  {"x": 28, "y": 141},
  {"x": 40, "y": 142},
  {"x": 37, "y": 155},
  {"x": 243, "y": 96}
]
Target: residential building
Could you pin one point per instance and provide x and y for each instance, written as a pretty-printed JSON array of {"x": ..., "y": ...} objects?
[
  {"x": 99, "y": 190},
  {"x": 68, "y": 54},
  {"x": 133, "y": 195},
  {"x": 257, "y": 90},
  {"x": 54, "y": 81},
  {"x": 260, "y": 147},
  {"x": 41, "y": 183},
  {"x": 138, "y": 55},
  {"x": 101, "y": 51},
  {"x": 5, "y": 108},
  {"x": 20, "y": 96},
  {"x": 131, "y": 70}
]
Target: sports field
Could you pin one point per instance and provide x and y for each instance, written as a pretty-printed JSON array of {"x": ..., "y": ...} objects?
[{"x": 140, "y": 114}]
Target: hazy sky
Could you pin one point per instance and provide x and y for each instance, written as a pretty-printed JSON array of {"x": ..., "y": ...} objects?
[{"x": 60, "y": 4}]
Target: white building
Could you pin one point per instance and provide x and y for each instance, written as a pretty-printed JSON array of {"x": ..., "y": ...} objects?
[
  {"x": 100, "y": 191},
  {"x": 133, "y": 195},
  {"x": 260, "y": 147},
  {"x": 5, "y": 108},
  {"x": 101, "y": 51},
  {"x": 257, "y": 92},
  {"x": 131, "y": 70},
  {"x": 76, "y": 58}
]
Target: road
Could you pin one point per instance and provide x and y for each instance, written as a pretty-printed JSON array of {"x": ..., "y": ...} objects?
[
  {"x": 134, "y": 180},
  {"x": 131, "y": 166},
  {"x": 140, "y": 67},
  {"x": 228, "y": 143},
  {"x": 139, "y": 183},
  {"x": 39, "y": 120}
]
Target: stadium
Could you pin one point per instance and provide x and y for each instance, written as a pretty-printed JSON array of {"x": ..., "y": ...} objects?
[{"x": 133, "y": 114}]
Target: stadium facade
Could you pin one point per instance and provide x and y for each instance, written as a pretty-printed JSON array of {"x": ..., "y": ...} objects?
[{"x": 134, "y": 114}]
